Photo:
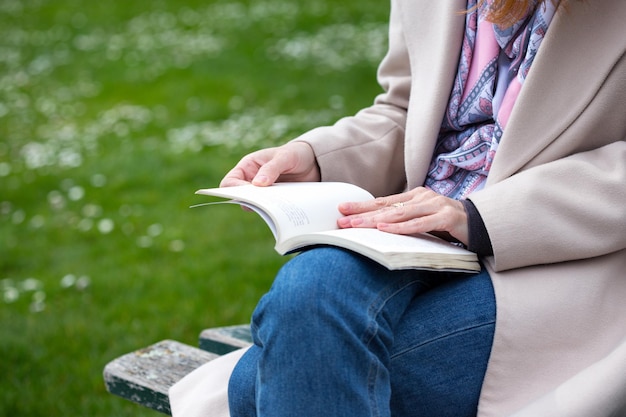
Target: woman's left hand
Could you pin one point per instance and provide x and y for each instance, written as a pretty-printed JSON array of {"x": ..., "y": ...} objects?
[{"x": 417, "y": 211}]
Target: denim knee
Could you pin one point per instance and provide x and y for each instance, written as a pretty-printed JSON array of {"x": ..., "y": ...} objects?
[
  {"x": 307, "y": 286},
  {"x": 327, "y": 288},
  {"x": 242, "y": 385}
]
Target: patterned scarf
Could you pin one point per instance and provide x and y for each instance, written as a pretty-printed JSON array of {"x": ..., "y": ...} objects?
[{"x": 493, "y": 65}]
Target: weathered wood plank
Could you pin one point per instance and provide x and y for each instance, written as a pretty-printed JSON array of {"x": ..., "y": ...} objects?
[
  {"x": 222, "y": 340},
  {"x": 144, "y": 376}
]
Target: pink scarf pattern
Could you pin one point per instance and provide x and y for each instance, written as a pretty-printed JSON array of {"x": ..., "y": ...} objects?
[{"x": 493, "y": 66}]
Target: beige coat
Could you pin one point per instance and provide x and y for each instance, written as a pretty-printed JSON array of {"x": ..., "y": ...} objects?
[
  {"x": 555, "y": 200},
  {"x": 554, "y": 204}
]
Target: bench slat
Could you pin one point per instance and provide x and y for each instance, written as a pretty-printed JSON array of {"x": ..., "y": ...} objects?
[
  {"x": 222, "y": 340},
  {"x": 144, "y": 376}
]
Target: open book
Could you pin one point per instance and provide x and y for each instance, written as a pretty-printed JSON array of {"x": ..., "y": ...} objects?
[{"x": 301, "y": 215}]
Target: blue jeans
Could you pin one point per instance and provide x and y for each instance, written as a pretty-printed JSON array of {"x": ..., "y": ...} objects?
[{"x": 339, "y": 335}]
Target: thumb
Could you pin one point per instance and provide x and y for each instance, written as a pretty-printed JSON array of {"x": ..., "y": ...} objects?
[{"x": 267, "y": 175}]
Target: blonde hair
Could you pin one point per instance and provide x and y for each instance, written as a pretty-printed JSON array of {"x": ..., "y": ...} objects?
[{"x": 506, "y": 12}]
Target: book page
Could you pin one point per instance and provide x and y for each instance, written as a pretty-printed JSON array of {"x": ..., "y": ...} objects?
[
  {"x": 394, "y": 251},
  {"x": 295, "y": 208},
  {"x": 384, "y": 242}
]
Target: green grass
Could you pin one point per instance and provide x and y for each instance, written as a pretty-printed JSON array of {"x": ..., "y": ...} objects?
[{"x": 111, "y": 115}]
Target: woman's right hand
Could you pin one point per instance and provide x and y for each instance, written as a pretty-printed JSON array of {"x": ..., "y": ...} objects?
[{"x": 293, "y": 161}]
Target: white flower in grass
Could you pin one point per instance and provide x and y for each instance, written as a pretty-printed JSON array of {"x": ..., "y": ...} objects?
[
  {"x": 76, "y": 193},
  {"x": 92, "y": 210},
  {"x": 177, "y": 245},
  {"x": 38, "y": 303},
  {"x": 31, "y": 284},
  {"x": 68, "y": 280},
  {"x": 155, "y": 230},
  {"x": 106, "y": 226},
  {"x": 83, "y": 282},
  {"x": 98, "y": 180},
  {"x": 56, "y": 200},
  {"x": 5, "y": 169},
  {"x": 18, "y": 216},
  {"x": 10, "y": 295},
  {"x": 85, "y": 225},
  {"x": 37, "y": 222},
  {"x": 144, "y": 241}
]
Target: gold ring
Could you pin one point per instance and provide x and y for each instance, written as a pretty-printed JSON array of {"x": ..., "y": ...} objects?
[{"x": 401, "y": 204}]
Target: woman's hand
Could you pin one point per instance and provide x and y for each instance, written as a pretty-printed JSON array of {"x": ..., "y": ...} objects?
[
  {"x": 417, "y": 211},
  {"x": 294, "y": 161}
]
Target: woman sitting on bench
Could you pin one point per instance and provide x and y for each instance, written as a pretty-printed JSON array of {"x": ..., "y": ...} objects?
[{"x": 502, "y": 126}]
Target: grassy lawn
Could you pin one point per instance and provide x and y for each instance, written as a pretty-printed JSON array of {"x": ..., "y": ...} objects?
[{"x": 111, "y": 115}]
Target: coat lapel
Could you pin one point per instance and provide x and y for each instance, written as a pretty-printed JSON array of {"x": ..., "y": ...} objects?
[
  {"x": 433, "y": 33},
  {"x": 561, "y": 84}
]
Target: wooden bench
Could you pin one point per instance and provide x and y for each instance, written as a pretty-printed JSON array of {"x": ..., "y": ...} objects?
[{"x": 145, "y": 376}]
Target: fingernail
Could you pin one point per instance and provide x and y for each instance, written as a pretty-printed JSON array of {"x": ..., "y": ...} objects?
[
  {"x": 357, "y": 222},
  {"x": 260, "y": 180}
]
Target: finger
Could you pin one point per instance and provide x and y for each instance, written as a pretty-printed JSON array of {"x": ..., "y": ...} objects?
[
  {"x": 380, "y": 213},
  {"x": 268, "y": 173},
  {"x": 451, "y": 220},
  {"x": 391, "y": 208},
  {"x": 360, "y": 207},
  {"x": 236, "y": 176},
  {"x": 244, "y": 171},
  {"x": 411, "y": 226},
  {"x": 446, "y": 215},
  {"x": 232, "y": 182},
  {"x": 282, "y": 162},
  {"x": 272, "y": 167}
]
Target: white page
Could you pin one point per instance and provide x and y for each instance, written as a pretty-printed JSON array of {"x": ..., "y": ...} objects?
[{"x": 295, "y": 208}]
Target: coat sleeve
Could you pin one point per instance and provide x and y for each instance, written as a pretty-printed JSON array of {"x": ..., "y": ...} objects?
[
  {"x": 569, "y": 209},
  {"x": 568, "y": 201},
  {"x": 367, "y": 149}
]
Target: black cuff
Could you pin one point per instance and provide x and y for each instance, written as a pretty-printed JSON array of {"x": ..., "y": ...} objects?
[{"x": 479, "y": 241}]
